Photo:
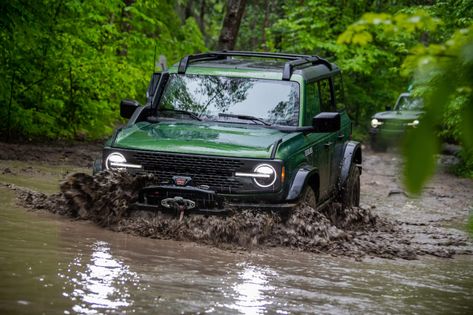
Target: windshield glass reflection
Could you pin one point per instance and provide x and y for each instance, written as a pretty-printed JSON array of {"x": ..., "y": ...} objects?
[
  {"x": 409, "y": 103},
  {"x": 222, "y": 98}
]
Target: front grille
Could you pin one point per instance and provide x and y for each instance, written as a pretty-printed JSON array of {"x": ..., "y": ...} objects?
[{"x": 217, "y": 173}]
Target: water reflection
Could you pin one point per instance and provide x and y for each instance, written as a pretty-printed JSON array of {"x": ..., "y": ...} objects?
[
  {"x": 251, "y": 288},
  {"x": 104, "y": 285}
]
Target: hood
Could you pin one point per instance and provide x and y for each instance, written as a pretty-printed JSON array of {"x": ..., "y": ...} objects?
[
  {"x": 208, "y": 138},
  {"x": 398, "y": 115}
]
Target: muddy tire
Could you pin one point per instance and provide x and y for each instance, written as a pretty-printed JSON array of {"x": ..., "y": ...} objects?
[
  {"x": 350, "y": 193},
  {"x": 308, "y": 197}
]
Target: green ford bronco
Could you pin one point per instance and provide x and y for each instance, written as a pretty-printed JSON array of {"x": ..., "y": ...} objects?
[{"x": 232, "y": 129}]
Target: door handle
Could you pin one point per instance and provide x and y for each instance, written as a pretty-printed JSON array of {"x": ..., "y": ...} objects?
[
  {"x": 341, "y": 136},
  {"x": 328, "y": 144}
]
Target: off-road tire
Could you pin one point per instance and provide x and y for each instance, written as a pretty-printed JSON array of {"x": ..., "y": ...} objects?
[
  {"x": 308, "y": 197},
  {"x": 350, "y": 192}
]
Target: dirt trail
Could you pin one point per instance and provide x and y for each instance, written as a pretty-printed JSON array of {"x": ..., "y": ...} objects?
[
  {"x": 388, "y": 223},
  {"x": 80, "y": 154}
]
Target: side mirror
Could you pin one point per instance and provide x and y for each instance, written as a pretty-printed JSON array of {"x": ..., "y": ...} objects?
[
  {"x": 128, "y": 107},
  {"x": 153, "y": 84},
  {"x": 388, "y": 108},
  {"x": 326, "y": 122}
]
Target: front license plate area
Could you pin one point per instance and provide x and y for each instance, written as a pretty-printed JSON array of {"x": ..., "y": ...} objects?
[{"x": 203, "y": 199}]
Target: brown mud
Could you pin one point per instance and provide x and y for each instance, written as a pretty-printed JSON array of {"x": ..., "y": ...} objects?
[
  {"x": 79, "y": 154},
  {"x": 388, "y": 224}
]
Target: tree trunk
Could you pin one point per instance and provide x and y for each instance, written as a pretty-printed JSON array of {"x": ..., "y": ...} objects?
[
  {"x": 281, "y": 14},
  {"x": 202, "y": 17},
  {"x": 267, "y": 10},
  {"x": 125, "y": 27},
  {"x": 231, "y": 24},
  {"x": 188, "y": 10}
]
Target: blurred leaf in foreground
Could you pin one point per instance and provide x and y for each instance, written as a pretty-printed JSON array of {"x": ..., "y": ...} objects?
[
  {"x": 443, "y": 76},
  {"x": 419, "y": 147}
]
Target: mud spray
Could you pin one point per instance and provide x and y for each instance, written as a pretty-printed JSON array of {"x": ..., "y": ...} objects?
[{"x": 105, "y": 199}]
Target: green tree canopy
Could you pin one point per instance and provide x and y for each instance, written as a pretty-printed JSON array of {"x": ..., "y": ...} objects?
[
  {"x": 66, "y": 64},
  {"x": 442, "y": 76}
]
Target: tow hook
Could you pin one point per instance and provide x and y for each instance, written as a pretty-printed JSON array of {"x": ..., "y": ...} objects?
[{"x": 178, "y": 203}]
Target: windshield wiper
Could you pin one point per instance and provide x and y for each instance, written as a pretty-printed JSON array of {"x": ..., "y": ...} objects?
[
  {"x": 244, "y": 117},
  {"x": 180, "y": 111}
]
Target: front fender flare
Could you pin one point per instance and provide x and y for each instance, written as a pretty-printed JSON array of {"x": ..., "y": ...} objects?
[
  {"x": 351, "y": 154},
  {"x": 299, "y": 181}
]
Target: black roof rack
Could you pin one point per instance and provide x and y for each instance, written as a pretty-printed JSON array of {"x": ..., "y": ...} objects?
[{"x": 293, "y": 60}]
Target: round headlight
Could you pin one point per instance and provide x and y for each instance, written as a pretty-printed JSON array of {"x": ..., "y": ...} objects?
[
  {"x": 375, "y": 123},
  {"x": 114, "y": 157},
  {"x": 414, "y": 124},
  {"x": 268, "y": 175}
]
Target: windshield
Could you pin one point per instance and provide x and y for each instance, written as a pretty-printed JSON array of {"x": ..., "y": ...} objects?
[
  {"x": 241, "y": 100},
  {"x": 408, "y": 103}
]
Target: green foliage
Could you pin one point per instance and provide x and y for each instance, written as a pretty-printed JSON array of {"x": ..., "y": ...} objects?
[
  {"x": 420, "y": 147},
  {"x": 369, "y": 47},
  {"x": 455, "y": 14},
  {"x": 374, "y": 47},
  {"x": 465, "y": 167},
  {"x": 66, "y": 64},
  {"x": 208, "y": 15},
  {"x": 390, "y": 36},
  {"x": 393, "y": 30},
  {"x": 441, "y": 74},
  {"x": 259, "y": 16},
  {"x": 370, "y": 59}
]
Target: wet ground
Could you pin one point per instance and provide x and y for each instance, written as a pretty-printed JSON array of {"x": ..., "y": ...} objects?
[{"x": 52, "y": 264}]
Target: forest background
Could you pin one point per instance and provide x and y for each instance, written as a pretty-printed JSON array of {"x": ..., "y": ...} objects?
[{"x": 66, "y": 64}]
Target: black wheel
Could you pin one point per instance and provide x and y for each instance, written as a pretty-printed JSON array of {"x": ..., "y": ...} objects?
[
  {"x": 308, "y": 197},
  {"x": 350, "y": 193}
]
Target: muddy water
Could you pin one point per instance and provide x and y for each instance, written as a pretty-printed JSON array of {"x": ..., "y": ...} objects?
[{"x": 52, "y": 265}]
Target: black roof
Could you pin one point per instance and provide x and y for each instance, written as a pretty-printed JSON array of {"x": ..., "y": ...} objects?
[{"x": 306, "y": 65}]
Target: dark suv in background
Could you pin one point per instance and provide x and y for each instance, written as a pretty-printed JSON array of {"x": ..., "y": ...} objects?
[{"x": 388, "y": 127}]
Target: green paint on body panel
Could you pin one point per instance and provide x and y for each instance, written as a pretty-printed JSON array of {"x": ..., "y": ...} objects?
[{"x": 241, "y": 140}]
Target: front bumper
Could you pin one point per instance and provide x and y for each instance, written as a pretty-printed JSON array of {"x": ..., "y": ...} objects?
[
  {"x": 164, "y": 197},
  {"x": 387, "y": 135}
]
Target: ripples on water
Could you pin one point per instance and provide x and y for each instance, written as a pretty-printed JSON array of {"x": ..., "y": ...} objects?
[
  {"x": 54, "y": 266},
  {"x": 105, "y": 283},
  {"x": 252, "y": 289}
]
